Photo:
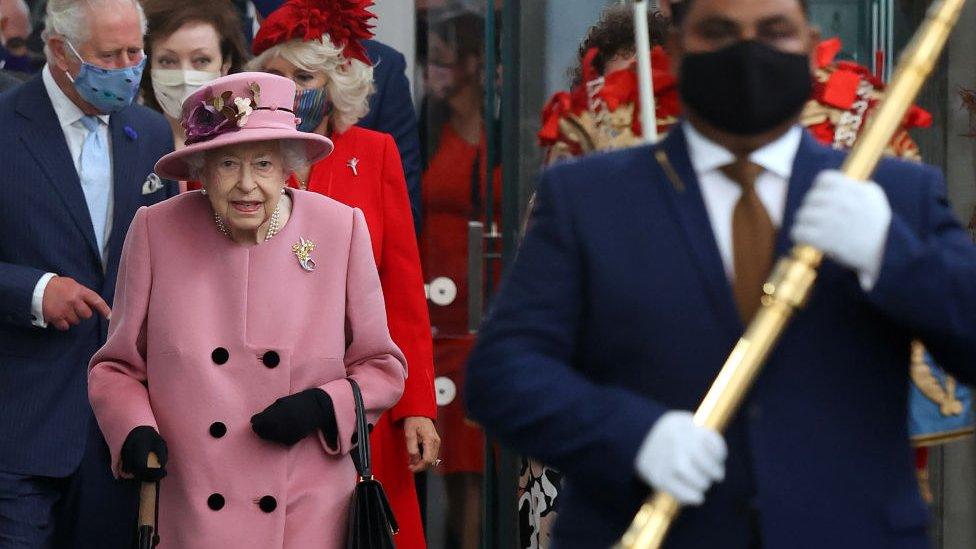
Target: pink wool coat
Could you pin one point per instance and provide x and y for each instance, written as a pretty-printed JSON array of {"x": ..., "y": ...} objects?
[{"x": 206, "y": 333}]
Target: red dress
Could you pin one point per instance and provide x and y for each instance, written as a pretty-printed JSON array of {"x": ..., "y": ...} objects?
[
  {"x": 449, "y": 197},
  {"x": 380, "y": 191}
]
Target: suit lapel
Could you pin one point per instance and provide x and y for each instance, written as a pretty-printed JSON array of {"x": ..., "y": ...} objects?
[
  {"x": 687, "y": 201},
  {"x": 810, "y": 160},
  {"x": 127, "y": 184},
  {"x": 43, "y": 138}
]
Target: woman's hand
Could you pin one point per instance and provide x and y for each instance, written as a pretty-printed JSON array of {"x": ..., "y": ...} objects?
[
  {"x": 423, "y": 443},
  {"x": 134, "y": 457},
  {"x": 294, "y": 417}
]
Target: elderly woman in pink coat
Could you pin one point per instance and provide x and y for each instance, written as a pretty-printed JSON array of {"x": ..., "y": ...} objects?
[{"x": 240, "y": 311}]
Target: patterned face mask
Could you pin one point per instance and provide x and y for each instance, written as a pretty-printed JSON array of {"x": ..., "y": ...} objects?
[
  {"x": 108, "y": 90},
  {"x": 311, "y": 106}
]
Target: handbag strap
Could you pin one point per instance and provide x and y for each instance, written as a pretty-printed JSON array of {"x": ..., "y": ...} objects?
[{"x": 364, "y": 464}]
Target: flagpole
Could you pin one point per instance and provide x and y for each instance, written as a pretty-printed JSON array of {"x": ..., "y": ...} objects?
[{"x": 648, "y": 112}]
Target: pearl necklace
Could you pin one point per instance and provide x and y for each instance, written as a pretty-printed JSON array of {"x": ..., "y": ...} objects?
[{"x": 274, "y": 224}]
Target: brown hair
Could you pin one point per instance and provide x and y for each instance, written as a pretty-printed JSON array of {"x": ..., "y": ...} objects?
[
  {"x": 613, "y": 35},
  {"x": 167, "y": 16}
]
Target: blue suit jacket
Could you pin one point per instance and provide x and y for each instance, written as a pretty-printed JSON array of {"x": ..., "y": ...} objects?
[
  {"x": 391, "y": 111},
  {"x": 45, "y": 227},
  {"x": 618, "y": 309}
]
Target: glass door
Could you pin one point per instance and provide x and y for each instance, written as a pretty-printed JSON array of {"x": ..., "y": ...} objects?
[{"x": 460, "y": 245}]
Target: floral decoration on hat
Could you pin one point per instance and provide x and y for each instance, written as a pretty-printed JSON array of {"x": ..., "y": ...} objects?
[
  {"x": 345, "y": 21},
  {"x": 220, "y": 114}
]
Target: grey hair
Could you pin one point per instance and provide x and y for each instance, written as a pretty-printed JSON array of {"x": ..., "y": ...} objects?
[
  {"x": 349, "y": 82},
  {"x": 292, "y": 152},
  {"x": 69, "y": 18}
]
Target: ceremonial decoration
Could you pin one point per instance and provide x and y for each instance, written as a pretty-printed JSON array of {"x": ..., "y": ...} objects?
[
  {"x": 845, "y": 95},
  {"x": 941, "y": 409},
  {"x": 789, "y": 287},
  {"x": 346, "y": 22},
  {"x": 604, "y": 112}
]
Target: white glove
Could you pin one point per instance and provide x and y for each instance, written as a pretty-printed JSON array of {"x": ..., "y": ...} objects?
[
  {"x": 847, "y": 219},
  {"x": 682, "y": 458}
]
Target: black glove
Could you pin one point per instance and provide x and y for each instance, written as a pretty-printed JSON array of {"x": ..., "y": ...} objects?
[
  {"x": 135, "y": 453},
  {"x": 294, "y": 417}
]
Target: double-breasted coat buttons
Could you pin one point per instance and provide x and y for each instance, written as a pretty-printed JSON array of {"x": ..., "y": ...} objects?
[
  {"x": 271, "y": 359},
  {"x": 268, "y": 504},
  {"x": 215, "y": 502},
  {"x": 220, "y": 355},
  {"x": 217, "y": 429}
]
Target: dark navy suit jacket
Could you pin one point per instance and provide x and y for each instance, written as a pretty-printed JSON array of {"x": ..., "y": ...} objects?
[
  {"x": 618, "y": 309},
  {"x": 45, "y": 227}
]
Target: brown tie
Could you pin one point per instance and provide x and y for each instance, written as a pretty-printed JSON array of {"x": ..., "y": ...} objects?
[{"x": 753, "y": 239}]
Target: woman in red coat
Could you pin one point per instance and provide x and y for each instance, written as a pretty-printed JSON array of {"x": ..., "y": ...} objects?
[{"x": 334, "y": 81}]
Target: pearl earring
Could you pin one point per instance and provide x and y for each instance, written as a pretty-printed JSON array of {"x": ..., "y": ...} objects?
[
  {"x": 282, "y": 190},
  {"x": 203, "y": 192}
]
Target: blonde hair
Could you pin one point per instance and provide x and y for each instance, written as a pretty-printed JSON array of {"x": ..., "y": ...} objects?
[{"x": 349, "y": 82}]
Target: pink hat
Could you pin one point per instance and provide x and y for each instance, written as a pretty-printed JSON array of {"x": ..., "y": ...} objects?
[{"x": 240, "y": 108}]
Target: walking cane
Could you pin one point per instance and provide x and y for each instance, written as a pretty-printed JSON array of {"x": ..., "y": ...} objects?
[{"x": 149, "y": 509}]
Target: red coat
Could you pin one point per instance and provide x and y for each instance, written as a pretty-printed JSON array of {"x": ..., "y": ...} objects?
[{"x": 380, "y": 191}]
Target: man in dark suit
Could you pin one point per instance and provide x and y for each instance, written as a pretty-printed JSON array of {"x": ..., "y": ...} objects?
[
  {"x": 642, "y": 267},
  {"x": 77, "y": 165},
  {"x": 8, "y": 81}
]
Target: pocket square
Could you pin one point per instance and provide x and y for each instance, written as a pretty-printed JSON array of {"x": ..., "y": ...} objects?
[{"x": 153, "y": 183}]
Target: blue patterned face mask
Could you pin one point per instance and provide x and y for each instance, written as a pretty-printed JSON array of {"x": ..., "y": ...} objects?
[
  {"x": 311, "y": 106},
  {"x": 108, "y": 90}
]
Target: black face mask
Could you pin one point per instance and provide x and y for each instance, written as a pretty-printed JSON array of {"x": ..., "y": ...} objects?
[{"x": 746, "y": 88}]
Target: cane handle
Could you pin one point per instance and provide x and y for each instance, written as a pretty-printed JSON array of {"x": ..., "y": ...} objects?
[{"x": 147, "y": 496}]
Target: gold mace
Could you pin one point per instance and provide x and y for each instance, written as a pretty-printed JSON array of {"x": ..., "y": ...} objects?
[{"x": 789, "y": 286}]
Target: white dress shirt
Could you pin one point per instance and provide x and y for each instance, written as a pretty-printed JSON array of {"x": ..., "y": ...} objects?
[
  {"x": 69, "y": 116},
  {"x": 721, "y": 193}
]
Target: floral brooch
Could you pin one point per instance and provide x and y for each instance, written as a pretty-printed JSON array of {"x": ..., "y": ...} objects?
[{"x": 220, "y": 114}]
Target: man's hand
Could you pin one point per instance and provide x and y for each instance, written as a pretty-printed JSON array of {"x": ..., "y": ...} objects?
[
  {"x": 681, "y": 458},
  {"x": 423, "y": 443},
  {"x": 66, "y": 303},
  {"x": 848, "y": 220}
]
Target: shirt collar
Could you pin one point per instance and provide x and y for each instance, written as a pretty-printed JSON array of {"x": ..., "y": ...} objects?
[
  {"x": 776, "y": 157},
  {"x": 67, "y": 112}
]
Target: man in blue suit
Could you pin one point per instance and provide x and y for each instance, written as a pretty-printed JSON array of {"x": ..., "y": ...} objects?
[
  {"x": 642, "y": 267},
  {"x": 78, "y": 160}
]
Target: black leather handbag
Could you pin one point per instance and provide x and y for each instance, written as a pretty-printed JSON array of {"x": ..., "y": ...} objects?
[{"x": 371, "y": 521}]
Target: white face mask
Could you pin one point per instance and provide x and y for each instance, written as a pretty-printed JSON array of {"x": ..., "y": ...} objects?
[{"x": 172, "y": 86}]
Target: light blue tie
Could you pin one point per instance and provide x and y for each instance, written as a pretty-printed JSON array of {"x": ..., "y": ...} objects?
[{"x": 96, "y": 178}]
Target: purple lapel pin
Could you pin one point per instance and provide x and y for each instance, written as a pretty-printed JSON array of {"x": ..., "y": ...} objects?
[{"x": 131, "y": 133}]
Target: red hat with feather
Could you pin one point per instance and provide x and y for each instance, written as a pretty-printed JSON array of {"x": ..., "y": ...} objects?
[{"x": 345, "y": 21}]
